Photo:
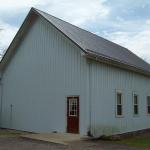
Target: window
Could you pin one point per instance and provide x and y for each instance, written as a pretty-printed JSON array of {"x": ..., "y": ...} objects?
[
  {"x": 148, "y": 104},
  {"x": 119, "y": 111},
  {"x": 73, "y": 107},
  {"x": 135, "y": 104}
]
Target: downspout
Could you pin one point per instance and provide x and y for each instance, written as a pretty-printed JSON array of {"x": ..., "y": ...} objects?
[
  {"x": 89, "y": 94},
  {"x": 91, "y": 130},
  {"x": 90, "y": 97},
  {"x": 1, "y": 99}
]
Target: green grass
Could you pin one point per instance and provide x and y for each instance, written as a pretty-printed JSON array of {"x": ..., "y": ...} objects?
[
  {"x": 141, "y": 141},
  {"x": 5, "y": 132}
]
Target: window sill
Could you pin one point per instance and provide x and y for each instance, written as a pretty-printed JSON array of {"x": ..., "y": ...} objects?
[
  {"x": 136, "y": 116},
  {"x": 119, "y": 116}
]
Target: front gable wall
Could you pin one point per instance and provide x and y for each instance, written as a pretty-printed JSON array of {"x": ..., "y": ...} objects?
[{"x": 45, "y": 69}]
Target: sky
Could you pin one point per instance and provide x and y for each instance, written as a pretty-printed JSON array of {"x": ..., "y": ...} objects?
[{"x": 125, "y": 22}]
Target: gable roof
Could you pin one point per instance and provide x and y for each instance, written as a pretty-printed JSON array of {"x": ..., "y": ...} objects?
[{"x": 96, "y": 47}]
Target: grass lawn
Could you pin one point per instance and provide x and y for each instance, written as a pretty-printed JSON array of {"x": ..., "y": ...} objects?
[
  {"x": 7, "y": 132},
  {"x": 141, "y": 141}
]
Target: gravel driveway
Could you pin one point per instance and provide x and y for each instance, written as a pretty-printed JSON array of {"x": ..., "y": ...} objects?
[{"x": 17, "y": 143}]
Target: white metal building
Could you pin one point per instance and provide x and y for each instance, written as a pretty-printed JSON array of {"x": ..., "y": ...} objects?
[{"x": 58, "y": 77}]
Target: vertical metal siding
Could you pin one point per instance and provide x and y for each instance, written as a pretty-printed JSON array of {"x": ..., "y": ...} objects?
[
  {"x": 105, "y": 81},
  {"x": 46, "y": 68}
]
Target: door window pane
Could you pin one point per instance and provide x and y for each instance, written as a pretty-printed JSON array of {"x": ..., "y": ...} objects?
[{"x": 73, "y": 107}]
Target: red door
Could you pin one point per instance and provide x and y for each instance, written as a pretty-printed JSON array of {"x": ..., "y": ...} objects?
[{"x": 73, "y": 114}]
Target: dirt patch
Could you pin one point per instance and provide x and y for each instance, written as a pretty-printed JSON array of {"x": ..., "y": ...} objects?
[{"x": 17, "y": 143}]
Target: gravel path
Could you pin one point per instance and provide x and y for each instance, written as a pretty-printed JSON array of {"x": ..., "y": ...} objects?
[{"x": 16, "y": 143}]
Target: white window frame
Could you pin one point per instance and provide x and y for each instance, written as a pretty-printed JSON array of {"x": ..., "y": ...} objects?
[
  {"x": 147, "y": 105},
  {"x": 135, "y": 94},
  {"x": 71, "y": 101},
  {"x": 116, "y": 109}
]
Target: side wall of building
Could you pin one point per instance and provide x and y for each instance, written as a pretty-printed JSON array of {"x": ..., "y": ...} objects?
[
  {"x": 105, "y": 81},
  {"x": 46, "y": 68}
]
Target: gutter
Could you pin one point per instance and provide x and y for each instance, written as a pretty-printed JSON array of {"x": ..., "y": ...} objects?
[
  {"x": 114, "y": 62},
  {"x": 90, "y": 99}
]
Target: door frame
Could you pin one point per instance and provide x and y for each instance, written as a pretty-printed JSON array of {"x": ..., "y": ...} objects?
[{"x": 66, "y": 107}]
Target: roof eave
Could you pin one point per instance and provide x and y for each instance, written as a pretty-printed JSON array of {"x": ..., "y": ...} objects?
[{"x": 115, "y": 63}]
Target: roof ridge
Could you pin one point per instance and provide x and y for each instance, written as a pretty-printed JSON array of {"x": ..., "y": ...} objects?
[{"x": 80, "y": 28}]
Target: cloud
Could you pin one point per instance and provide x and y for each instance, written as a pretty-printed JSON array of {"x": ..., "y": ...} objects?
[
  {"x": 129, "y": 10},
  {"x": 14, "y": 6},
  {"x": 148, "y": 21},
  {"x": 78, "y": 12},
  {"x": 7, "y": 33},
  {"x": 136, "y": 42}
]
